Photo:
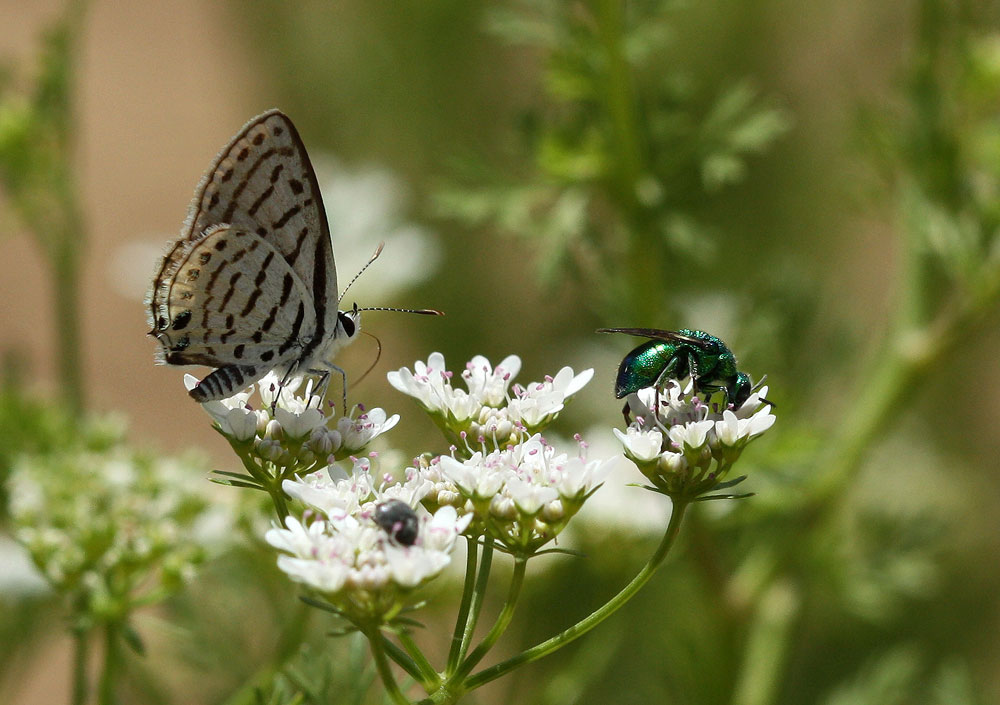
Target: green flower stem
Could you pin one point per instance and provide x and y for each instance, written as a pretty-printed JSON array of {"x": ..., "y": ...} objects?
[
  {"x": 478, "y": 593},
  {"x": 620, "y": 100},
  {"x": 66, "y": 280},
  {"x": 402, "y": 659},
  {"x": 624, "y": 133},
  {"x": 461, "y": 619},
  {"x": 426, "y": 675},
  {"x": 278, "y": 497},
  {"x": 596, "y": 617},
  {"x": 767, "y": 645},
  {"x": 500, "y": 626},
  {"x": 81, "y": 656},
  {"x": 384, "y": 669},
  {"x": 112, "y": 663}
]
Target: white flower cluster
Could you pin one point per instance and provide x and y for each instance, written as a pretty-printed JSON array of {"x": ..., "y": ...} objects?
[
  {"x": 104, "y": 526},
  {"x": 489, "y": 409},
  {"x": 684, "y": 446},
  {"x": 297, "y": 434},
  {"x": 522, "y": 496},
  {"x": 341, "y": 551}
]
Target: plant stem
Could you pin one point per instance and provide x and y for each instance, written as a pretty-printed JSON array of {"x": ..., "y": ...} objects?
[
  {"x": 767, "y": 645},
  {"x": 66, "y": 280},
  {"x": 278, "y": 497},
  {"x": 461, "y": 619},
  {"x": 402, "y": 659},
  {"x": 500, "y": 626},
  {"x": 596, "y": 617},
  {"x": 112, "y": 661},
  {"x": 384, "y": 669},
  {"x": 81, "y": 655},
  {"x": 426, "y": 675},
  {"x": 478, "y": 593}
]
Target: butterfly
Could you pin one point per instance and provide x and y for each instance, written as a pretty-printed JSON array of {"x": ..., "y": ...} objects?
[{"x": 251, "y": 285}]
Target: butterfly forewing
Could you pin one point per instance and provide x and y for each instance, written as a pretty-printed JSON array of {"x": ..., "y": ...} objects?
[{"x": 252, "y": 280}]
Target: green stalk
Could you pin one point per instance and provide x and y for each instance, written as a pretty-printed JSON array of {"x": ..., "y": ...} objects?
[
  {"x": 461, "y": 619},
  {"x": 478, "y": 593},
  {"x": 81, "y": 655},
  {"x": 66, "y": 280},
  {"x": 383, "y": 667},
  {"x": 767, "y": 646},
  {"x": 402, "y": 659},
  {"x": 278, "y": 497},
  {"x": 426, "y": 675},
  {"x": 500, "y": 626},
  {"x": 644, "y": 267},
  {"x": 596, "y": 617},
  {"x": 112, "y": 663}
]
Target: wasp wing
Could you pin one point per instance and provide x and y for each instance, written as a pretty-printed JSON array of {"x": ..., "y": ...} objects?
[{"x": 657, "y": 334}]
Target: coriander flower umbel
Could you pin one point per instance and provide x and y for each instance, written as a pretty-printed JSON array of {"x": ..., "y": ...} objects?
[
  {"x": 290, "y": 434},
  {"x": 685, "y": 446},
  {"x": 523, "y": 495},
  {"x": 339, "y": 549},
  {"x": 112, "y": 530},
  {"x": 491, "y": 409}
]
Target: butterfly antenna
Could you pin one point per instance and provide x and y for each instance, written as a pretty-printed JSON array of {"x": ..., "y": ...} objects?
[
  {"x": 421, "y": 311},
  {"x": 378, "y": 251}
]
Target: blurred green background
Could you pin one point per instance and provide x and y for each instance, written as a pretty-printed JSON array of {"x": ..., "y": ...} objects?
[{"x": 816, "y": 183}]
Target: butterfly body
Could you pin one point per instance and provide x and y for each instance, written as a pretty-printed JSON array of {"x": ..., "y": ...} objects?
[{"x": 251, "y": 285}]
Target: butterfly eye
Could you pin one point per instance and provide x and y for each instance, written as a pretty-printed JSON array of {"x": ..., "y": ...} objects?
[{"x": 347, "y": 321}]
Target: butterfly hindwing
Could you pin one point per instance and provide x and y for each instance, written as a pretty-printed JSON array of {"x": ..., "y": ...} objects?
[{"x": 232, "y": 300}]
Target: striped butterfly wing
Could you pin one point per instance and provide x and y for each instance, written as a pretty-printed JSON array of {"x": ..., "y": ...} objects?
[{"x": 252, "y": 282}]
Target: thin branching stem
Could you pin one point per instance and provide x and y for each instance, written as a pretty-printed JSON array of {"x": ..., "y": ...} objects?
[
  {"x": 383, "y": 667},
  {"x": 461, "y": 619},
  {"x": 81, "y": 657},
  {"x": 596, "y": 617},
  {"x": 501, "y": 624}
]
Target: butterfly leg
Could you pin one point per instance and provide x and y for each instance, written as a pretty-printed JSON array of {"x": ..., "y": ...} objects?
[
  {"x": 319, "y": 391},
  {"x": 325, "y": 381},
  {"x": 283, "y": 383}
]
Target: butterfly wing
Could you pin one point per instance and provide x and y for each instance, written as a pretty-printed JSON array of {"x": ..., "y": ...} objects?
[
  {"x": 263, "y": 182},
  {"x": 252, "y": 280},
  {"x": 232, "y": 300}
]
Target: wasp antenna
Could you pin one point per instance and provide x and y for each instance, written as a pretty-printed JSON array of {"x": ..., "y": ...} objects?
[
  {"x": 421, "y": 311},
  {"x": 378, "y": 251}
]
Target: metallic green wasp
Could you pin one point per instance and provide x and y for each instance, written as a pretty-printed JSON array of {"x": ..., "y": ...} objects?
[{"x": 676, "y": 354}]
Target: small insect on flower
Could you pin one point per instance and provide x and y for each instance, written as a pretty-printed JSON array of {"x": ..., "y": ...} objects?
[
  {"x": 670, "y": 354},
  {"x": 399, "y": 521}
]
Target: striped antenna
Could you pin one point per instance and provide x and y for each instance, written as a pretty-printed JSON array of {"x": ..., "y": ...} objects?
[
  {"x": 378, "y": 251},
  {"x": 421, "y": 311},
  {"x": 375, "y": 256}
]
